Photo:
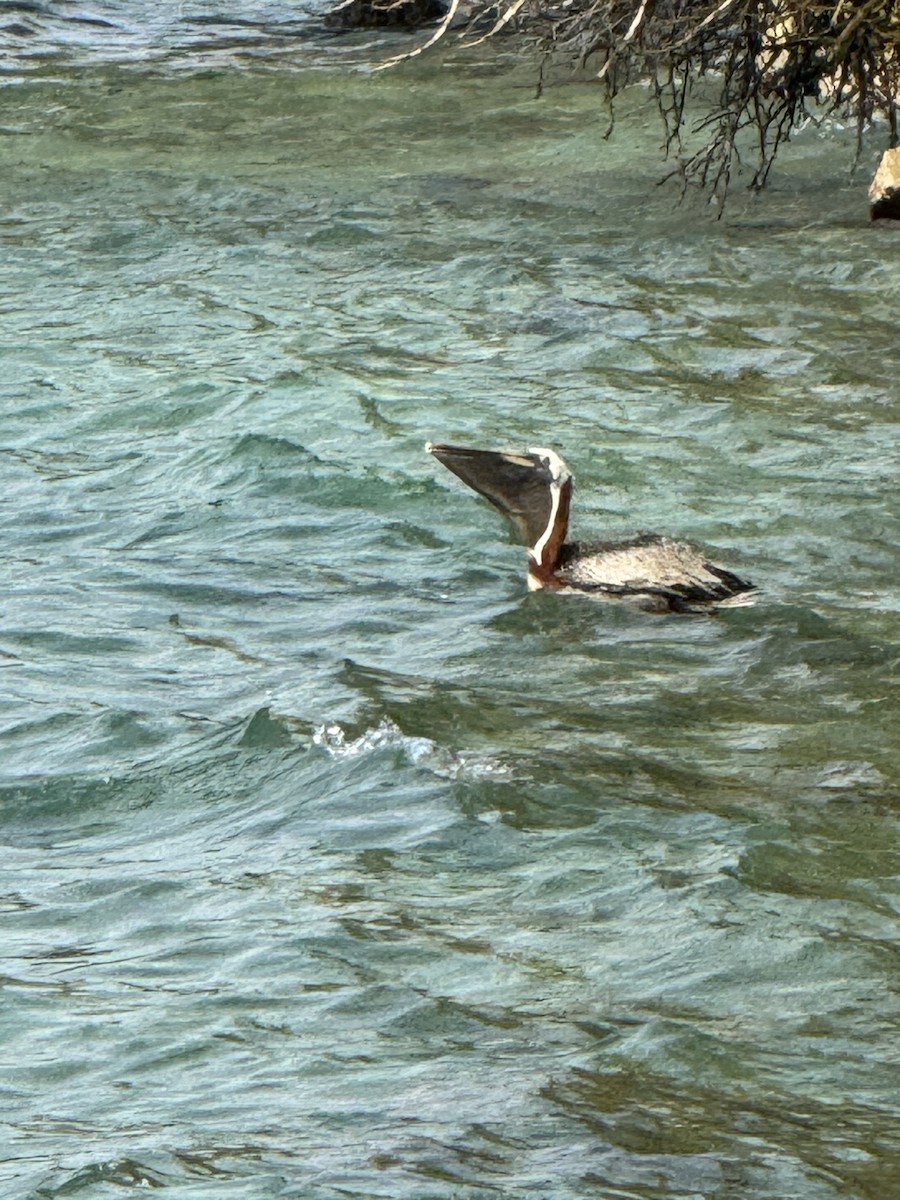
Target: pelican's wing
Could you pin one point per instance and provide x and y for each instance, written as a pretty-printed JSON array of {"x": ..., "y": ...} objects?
[{"x": 651, "y": 564}]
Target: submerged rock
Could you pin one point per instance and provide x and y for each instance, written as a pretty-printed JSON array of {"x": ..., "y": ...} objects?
[
  {"x": 380, "y": 14},
  {"x": 884, "y": 192}
]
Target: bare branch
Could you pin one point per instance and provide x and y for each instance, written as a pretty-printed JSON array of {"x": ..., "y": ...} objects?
[
  {"x": 777, "y": 62},
  {"x": 435, "y": 37},
  {"x": 637, "y": 22},
  {"x": 503, "y": 19}
]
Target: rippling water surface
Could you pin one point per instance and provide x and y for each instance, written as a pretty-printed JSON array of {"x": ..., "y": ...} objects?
[{"x": 335, "y": 864}]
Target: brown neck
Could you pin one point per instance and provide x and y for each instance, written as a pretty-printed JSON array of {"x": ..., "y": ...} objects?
[{"x": 545, "y": 555}]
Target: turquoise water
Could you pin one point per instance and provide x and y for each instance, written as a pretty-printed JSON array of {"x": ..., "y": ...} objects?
[{"x": 335, "y": 864}]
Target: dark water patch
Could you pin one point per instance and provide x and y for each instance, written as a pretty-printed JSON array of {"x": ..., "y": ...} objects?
[
  {"x": 126, "y": 1173},
  {"x": 825, "y": 867},
  {"x": 65, "y": 643},
  {"x": 806, "y": 1150}
]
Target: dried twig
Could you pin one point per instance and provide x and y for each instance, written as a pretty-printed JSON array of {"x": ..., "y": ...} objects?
[{"x": 435, "y": 37}]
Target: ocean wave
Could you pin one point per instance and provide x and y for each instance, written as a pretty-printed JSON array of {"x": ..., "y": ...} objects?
[{"x": 418, "y": 751}]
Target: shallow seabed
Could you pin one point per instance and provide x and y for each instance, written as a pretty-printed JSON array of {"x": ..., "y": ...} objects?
[{"x": 334, "y": 863}]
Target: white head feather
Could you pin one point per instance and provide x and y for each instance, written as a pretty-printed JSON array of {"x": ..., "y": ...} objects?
[{"x": 559, "y": 475}]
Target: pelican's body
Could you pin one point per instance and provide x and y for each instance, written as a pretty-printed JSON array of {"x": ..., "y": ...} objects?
[{"x": 534, "y": 490}]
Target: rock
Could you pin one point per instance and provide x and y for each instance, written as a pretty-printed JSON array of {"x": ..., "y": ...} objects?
[
  {"x": 884, "y": 192},
  {"x": 380, "y": 14}
]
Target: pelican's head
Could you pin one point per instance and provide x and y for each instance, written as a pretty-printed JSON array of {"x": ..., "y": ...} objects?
[{"x": 533, "y": 490}]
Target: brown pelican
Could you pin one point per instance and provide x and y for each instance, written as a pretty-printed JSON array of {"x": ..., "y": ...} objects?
[{"x": 534, "y": 490}]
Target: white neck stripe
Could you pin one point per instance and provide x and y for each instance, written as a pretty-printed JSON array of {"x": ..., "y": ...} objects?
[{"x": 537, "y": 551}]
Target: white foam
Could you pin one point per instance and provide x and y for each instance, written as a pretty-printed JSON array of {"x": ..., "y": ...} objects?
[{"x": 419, "y": 751}]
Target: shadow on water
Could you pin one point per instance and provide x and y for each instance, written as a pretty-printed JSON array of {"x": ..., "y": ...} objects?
[{"x": 705, "y": 1135}]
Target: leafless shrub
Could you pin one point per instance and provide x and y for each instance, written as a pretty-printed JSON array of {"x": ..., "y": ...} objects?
[{"x": 770, "y": 65}]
